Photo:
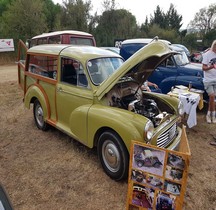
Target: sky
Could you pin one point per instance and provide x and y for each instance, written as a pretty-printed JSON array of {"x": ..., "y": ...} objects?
[{"x": 142, "y": 8}]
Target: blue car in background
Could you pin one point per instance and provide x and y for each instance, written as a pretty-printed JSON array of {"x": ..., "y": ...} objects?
[{"x": 176, "y": 70}]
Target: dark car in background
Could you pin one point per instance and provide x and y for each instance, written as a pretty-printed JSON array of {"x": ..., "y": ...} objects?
[{"x": 176, "y": 70}]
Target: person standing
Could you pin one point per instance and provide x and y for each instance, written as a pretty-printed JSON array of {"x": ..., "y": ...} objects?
[{"x": 209, "y": 80}]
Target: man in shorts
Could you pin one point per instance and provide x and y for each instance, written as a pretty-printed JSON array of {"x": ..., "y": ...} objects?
[{"x": 209, "y": 80}]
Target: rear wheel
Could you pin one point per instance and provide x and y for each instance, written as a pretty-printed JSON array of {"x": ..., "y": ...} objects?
[
  {"x": 39, "y": 116},
  {"x": 113, "y": 155}
]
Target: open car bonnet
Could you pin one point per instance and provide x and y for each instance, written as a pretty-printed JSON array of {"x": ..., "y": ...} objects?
[{"x": 139, "y": 66}]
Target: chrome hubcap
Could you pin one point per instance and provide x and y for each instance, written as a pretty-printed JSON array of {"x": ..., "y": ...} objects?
[
  {"x": 39, "y": 115},
  {"x": 111, "y": 156}
]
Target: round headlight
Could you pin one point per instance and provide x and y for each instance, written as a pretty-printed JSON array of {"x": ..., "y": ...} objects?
[
  {"x": 180, "y": 108},
  {"x": 149, "y": 130}
]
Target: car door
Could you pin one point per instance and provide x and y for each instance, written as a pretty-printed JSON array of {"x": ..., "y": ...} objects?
[
  {"x": 165, "y": 75},
  {"x": 22, "y": 53},
  {"x": 73, "y": 99}
]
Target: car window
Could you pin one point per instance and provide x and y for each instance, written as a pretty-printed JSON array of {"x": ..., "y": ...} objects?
[
  {"x": 43, "y": 65},
  {"x": 181, "y": 59},
  {"x": 81, "y": 41},
  {"x": 100, "y": 69},
  {"x": 170, "y": 62},
  {"x": 42, "y": 41},
  {"x": 72, "y": 73},
  {"x": 54, "y": 40}
]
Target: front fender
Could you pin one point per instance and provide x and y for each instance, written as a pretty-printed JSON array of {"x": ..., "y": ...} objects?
[
  {"x": 167, "y": 84},
  {"x": 128, "y": 125},
  {"x": 36, "y": 92}
]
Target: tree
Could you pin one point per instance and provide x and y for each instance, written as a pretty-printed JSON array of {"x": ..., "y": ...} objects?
[
  {"x": 52, "y": 13},
  {"x": 115, "y": 24},
  {"x": 109, "y": 5},
  {"x": 209, "y": 38},
  {"x": 204, "y": 20},
  {"x": 23, "y": 19},
  {"x": 170, "y": 20},
  {"x": 167, "y": 34},
  {"x": 173, "y": 19},
  {"x": 144, "y": 28},
  {"x": 190, "y": 41},
  {"x": 3, "y": 5},
  {"x": 158, "y": 18},
  {"x": 76, "y": 15}
]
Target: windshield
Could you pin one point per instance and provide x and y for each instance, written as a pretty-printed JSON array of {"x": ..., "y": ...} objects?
[
  {"x": 181, "y": 59},
  {"x": 100, "y": 69}
]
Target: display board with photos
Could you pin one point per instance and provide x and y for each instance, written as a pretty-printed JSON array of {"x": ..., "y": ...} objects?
[{"x": 158, "y": 177}]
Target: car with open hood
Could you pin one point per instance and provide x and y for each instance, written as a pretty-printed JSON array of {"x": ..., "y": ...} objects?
[
  {"x": 92, "y": 95},
  {"x": 173, "y": 71}
]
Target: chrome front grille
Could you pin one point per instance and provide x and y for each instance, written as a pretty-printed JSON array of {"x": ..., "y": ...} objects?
[{"x": 166, "y": 138}]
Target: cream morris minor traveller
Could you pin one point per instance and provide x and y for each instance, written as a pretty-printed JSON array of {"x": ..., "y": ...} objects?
[{"x": 95, "y": 97}]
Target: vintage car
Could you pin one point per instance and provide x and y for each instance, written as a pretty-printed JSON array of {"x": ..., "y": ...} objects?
[
  {"x": 92, "y": 95},
  {"x": 176, "y": 70},
  {"x": 63, "y": 37}
]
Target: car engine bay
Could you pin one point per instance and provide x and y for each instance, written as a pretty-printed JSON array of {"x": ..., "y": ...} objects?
[{"x": 129, "y": 96}]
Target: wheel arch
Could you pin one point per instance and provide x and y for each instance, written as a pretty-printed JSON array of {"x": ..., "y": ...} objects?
[
  {"x": 36, "y": 92},
  {"x": 107, "y": 129},
  {"x": 127, "y": 125}
]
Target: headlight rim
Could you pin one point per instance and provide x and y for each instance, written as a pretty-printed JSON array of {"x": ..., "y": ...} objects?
[
  {"x": 149, "y": 130},
  {"x": 180, "y": 108}
]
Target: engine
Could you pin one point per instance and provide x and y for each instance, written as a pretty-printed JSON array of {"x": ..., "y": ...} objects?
[
  {"x": 129, "y": 99},
  {"x": 145, "y": 107}
]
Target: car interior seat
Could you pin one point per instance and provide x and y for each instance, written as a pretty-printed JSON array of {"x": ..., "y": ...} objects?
[{"x": 69, "y": 74}]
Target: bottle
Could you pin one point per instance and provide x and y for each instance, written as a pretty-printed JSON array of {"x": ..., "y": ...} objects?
[{"x": 190, "y": 86}]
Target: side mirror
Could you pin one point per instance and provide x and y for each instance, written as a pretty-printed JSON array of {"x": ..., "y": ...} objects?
[{"x": 5, "y": 203}]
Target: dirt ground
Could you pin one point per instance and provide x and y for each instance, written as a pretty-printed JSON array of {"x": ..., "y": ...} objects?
[{"x": 49, "y": 170}]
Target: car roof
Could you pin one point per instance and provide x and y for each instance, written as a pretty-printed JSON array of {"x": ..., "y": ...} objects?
[
  {"x": 55, "y": 33},
  {"x": 181, "y": 46},
  {"x": 113, "y": 49},
  {"x": 75, "y": 51},
  {"x": 176, "y": 48},
  {"x": 142, "y": 41}
]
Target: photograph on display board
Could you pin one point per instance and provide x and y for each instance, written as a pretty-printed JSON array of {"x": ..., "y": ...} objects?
[
  {"x": 157, "y": 177},
  {"x": 138, "y": 176},
  {"x": 165, "y": 201},
  {"x": 172, "y": 187},
  {"x": 155, "y": 182},
  {"x": 148, "y": 159},
  {"x": 174, "y": 173},
  {"x": 175, "y": 161},
  {"x": 143, "y": 196}
]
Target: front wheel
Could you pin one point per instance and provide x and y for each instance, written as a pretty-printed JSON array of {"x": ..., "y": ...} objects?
[
  {"x": 113, "y": 155},
  {"x": 39, "y": 116}
]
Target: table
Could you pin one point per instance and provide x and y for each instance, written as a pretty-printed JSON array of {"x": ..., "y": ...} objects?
[{"x": 190, "y": 100}]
